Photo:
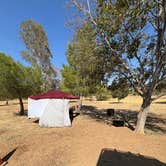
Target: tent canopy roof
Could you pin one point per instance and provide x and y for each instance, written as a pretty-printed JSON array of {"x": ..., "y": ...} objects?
[{"x": 54, "y": 94}]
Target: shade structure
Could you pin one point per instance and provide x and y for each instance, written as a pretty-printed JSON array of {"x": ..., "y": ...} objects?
[
  {"x": 54, "y": 94},
  {"x": 52, "y": 108},
  {"x": 56, "y": 114},
  {"x": 36, "y": 107}
]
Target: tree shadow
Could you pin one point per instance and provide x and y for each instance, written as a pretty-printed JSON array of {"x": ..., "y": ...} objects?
[
  {"x": 160, "y": 102},
  {"x": 115, "y": 102},
  {"x": 18, "y": 114},
  {"x": 7, "y": 157},
  {"x": 112, "y": 157},
  {"x": 154, "y": 123}
]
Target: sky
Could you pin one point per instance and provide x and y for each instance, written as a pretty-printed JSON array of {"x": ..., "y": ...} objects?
[{"x": 51, "y": 14}]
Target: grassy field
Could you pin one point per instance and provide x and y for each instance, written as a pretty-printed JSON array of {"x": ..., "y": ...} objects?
[{"x": 81, "y": 144}]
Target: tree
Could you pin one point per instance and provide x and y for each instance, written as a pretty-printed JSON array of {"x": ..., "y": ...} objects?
[
  {"x": 133, "y": 33},
  {"x": 119, "y": 88},
  {"x": 4, "y": 95},
  {"x": 38, "y": 52},
  {"x": 70, "y": 78},
  {"x": 17, "y": 81},
  {"x": 102, "y": 92},
  {"x": 83, "y": 60}
]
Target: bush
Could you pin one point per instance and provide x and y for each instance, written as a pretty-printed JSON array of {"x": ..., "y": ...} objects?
[
  {"x": 102, "y": 93},
  {"x": 119, "y": 88}
]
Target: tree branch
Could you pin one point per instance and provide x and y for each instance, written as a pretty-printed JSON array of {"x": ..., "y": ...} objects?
[
  {"x": 133, "y": 85},
  {"x": 87, "y": 12}
]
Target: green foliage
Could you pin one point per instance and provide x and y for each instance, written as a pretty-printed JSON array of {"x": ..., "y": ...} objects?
[
  {"x": 38, "y": 52},
  {"x": 70, "y": 80},
  {"x": 132, "y": 33},
  {"x": 161, "y": 88},
  {"x": 83, "y": 72},
  {"x": 119, "y": 88},
  {"x": 17, "y": 81},
  {"x": 102, "y": 93}
]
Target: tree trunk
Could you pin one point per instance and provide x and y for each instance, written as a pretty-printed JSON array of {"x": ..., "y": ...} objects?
[
  {"x": 142, "y": 115},
  {"x": 21, "y": 106},
  {"x": 7, "y": 102},
  {"x": 80, "y": 103}
]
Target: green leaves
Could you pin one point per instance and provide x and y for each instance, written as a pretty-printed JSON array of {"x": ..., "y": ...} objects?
[
  {"x": 119, "y": 88},
  {"x": 38, "y": 52},
  {"x": 35, "y": 39},
  {"x": 84, "y": 70},
  {"x": 132, "y": 48},
  {"x": 17, "y": 80}
]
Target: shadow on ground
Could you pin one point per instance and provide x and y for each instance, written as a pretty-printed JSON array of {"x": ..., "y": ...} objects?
[
  {"x": 115, "y": 102},
  {"x": 18, "y": 114},
  {"x": 110, "y": 157},
  {"x": 161, "y": 102},
  {"x": 154, "y": 123},
  {"x": 7, "y": 157}
]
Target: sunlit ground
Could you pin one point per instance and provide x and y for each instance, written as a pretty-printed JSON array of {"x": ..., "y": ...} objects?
[{"x": 81, "y": 144}]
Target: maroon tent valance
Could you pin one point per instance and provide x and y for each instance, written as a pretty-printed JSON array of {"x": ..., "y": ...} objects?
[{"x": 54, "y": 94}]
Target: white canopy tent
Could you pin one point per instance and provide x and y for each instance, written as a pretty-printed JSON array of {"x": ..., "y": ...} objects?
[
  {"x": 51, "y": 109},
  {"x": 36, "y": 107}
]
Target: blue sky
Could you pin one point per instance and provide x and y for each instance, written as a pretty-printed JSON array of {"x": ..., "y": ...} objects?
[{"x": 51, "y": 14}]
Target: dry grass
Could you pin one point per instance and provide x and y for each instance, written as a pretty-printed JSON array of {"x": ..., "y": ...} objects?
[
  {"x": 131, "y": 103},
  {"x": 81, "y": 144}
]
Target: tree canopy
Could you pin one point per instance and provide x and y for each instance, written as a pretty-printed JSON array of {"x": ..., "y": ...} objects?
[
  {"x": 80, "y": 74},
  {"x": 17, "y": 81},
  {"x": 133, "y": 36},
  {"x": 119, "y": 88},
  {"x": 38, "y": 52}
]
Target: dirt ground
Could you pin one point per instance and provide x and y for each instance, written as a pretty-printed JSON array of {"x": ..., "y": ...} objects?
[{"x": 91, "y": 140}]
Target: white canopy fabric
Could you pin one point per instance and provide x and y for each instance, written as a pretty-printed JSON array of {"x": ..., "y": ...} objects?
[
  {"x": 36, "y": 107},
  {"x": 56, "y": 114},
  {"x": 51, "y": 112}
]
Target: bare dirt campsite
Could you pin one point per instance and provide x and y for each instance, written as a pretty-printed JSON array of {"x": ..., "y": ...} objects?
[
  {"x": 98, "y": 55},
  {"x": 24, "y": 142}
]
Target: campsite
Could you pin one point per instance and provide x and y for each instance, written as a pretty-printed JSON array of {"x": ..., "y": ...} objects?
[
  {"x": 82, "y": 143},
  {"x": 83, "y": 83}
]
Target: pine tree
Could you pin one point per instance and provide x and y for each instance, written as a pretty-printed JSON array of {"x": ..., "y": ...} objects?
[
  {"x": 17, "y": 81},
  {"x": 83, "y": 73}
]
